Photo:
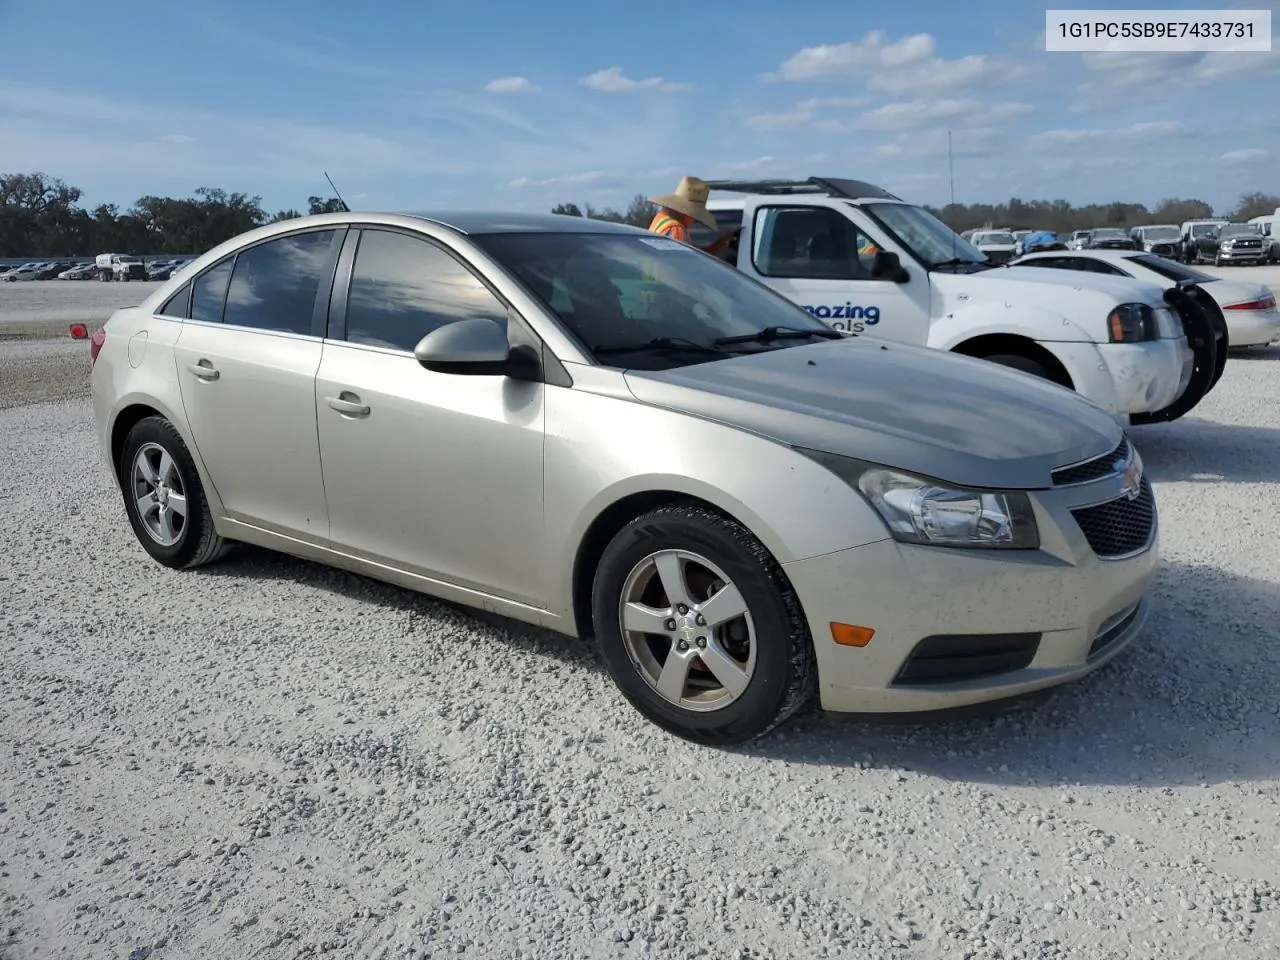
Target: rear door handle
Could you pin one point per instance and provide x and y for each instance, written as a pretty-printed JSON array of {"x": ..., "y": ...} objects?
[
  {"x": 348, "y": 404},
  {"x": 204, "y": 370}
]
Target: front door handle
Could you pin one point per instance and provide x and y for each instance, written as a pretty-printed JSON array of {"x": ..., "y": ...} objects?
[
  {"x": 348, "y": 404},
  {"x": 204, "y": 370}
]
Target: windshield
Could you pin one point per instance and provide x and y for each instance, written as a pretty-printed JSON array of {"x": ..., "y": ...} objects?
[
  {"x": 1204, "y": 230},
  {"x": 1109, "y": 234},
  {"x": 614, "y": 291},
  {"x": 928, "y": 238},
  {"x": 995, "y": 239},
  {"x": 1171, "y": 269},
  {"x": 1242, "y": 230},
  {"x": 1161, "y": 233}
]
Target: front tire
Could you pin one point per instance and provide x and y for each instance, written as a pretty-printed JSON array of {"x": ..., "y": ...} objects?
[
  {"x": 700, "y": 628},
  {"x": 163, "y": 496}
]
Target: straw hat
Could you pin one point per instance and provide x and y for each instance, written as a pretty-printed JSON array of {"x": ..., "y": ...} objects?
[{"x": 690, "y": 199}]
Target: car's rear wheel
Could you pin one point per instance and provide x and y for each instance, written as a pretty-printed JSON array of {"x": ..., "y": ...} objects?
[
  {"x": 699, "y": 627},
  {"x": 164, "y": 498}
]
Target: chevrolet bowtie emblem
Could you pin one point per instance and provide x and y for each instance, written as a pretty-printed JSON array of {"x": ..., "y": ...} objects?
[{"x": 1132, "y": 479}]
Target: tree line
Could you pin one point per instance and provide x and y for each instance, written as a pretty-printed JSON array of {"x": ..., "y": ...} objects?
[
  {"x": 41, "y": 216},
  {"x": 1056, "y": 215}
]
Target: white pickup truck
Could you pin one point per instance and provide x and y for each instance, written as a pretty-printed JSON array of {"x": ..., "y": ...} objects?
[
  {"x": 865, "y": 261},
  {"x": 118, "y": 266}
]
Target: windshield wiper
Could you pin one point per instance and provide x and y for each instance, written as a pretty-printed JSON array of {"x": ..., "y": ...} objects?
[
  {"x": 778, "y": 333},
  {"x": 675, "y": 344}
]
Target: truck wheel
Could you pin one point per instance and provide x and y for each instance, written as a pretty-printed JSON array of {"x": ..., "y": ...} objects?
[{"x": 1025, "y": 364}]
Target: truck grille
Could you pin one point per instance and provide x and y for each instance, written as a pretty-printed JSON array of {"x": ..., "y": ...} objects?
[
  {"x": 1121, "y": 526},
  {"x": 1094, "y": 469}
]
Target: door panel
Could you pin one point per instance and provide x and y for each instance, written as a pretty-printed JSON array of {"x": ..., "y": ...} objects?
[
  {"x": 439, "y": 474},
  {"x": 250, "y": 400},
  {"x": 821, "y": 258}
]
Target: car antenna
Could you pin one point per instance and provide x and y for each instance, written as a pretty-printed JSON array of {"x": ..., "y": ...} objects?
[
  {"x": 345, "y": 208},
  {"x": 951, "y": 175}
]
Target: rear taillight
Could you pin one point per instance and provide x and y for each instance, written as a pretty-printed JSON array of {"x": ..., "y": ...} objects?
[
  {"x": 1264, "y": 303},
  {"x": 95, "y": 343}
]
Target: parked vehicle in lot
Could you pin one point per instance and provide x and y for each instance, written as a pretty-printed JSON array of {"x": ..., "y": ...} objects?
[
  {"x": 460, "y": 405},
  {"x": 996, "y": 244},
  {"x": 1247, "y": 308},
  {"x": 1126, "y": 345},
  {"x": 117, "y": 266},
  {"x": 1162, "y": 239},
  {"x": 1241, "y": 243},
  {"x": 81, "y": 271},
  {"x": 1077, "y": 239},
  {"x": 1267, "y": 224},
  {"x": 1198, "y": 238},
  {"x": 1107, "y": 238},
  {"x": 22, "y": 273}
]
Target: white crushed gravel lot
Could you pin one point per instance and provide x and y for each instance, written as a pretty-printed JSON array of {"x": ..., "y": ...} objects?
[{"x": 268, "y": 758}]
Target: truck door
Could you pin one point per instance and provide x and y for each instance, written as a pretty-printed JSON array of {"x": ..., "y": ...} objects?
[{"x": 821, "y": 258}]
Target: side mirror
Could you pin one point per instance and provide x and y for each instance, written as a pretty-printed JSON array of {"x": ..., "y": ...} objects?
[
  {"x": 476, "y": 346},
  {"x": 887, "y": 266}
]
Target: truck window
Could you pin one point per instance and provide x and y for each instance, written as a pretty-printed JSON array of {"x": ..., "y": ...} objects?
[{"x": 810, "y": 243}]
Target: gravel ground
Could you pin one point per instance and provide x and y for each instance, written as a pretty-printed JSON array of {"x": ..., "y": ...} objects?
[{"x": 271, "y": 759}]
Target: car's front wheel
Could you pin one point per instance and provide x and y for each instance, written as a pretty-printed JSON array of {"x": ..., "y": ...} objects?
[
  {"x": 700, "y": 628},
  {"x": 164, "y": 498}
]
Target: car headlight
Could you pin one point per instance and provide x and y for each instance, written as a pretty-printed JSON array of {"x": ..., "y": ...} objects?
[
  {"x": 1132, "y": 323},
  {"x": 923, "y": 511}
]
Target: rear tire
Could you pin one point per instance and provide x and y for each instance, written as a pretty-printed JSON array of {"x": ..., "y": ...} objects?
[
  {"x": 164, "y": 498},
  {"x": 750, "y": 664}
]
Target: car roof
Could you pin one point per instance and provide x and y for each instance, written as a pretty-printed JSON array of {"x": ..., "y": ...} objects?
[{"x": 479, "y": 222}]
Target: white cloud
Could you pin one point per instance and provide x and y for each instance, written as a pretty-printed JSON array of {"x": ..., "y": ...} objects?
[
  {"x": 908, "y": 66},
  {"x": 613, "y": 80},
  {"x": 589, "y": 177},
  {"x": 510, "y": 85},
  {"x": 803, "y": 113},
  {"x": 1245, "y": 156},
  {"x": 1149, "y": 130},
  {"x": 911, "y": 114},
  {"x": 1156, "y": 71},
  {"x": 177, "y": 138},
  {"x": 743, "y": 166}
]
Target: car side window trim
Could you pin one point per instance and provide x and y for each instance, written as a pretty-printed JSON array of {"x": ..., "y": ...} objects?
[
  {"x": 320, "y": 309},
  {"x": 183, "y": 296}
]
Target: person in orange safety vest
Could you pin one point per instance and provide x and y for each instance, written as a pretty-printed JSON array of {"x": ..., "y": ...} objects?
[{"x": 678, "y": 211}]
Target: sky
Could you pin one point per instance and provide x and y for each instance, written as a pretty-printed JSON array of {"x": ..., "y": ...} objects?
[{"x": 519, "y": 106}]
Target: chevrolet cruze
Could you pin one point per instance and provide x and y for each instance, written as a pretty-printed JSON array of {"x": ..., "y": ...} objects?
[{"x": 581, "y": 425}]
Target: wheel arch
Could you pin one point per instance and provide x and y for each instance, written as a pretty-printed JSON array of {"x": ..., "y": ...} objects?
[
  {"x": 606, "y": 525},
  {"x": 990, "y": 344}
]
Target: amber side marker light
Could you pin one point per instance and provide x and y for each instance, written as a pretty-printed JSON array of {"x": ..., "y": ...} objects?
[{"x": 848, "y": 635}]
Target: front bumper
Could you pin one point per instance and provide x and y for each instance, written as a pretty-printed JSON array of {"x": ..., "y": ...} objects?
[
  {"x": 1234, "y": 255},
  {"x": 1030, "y": 620},
  {"x": 1128, "y": 378}
]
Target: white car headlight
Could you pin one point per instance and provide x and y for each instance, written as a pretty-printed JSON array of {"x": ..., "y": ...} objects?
[{"x": 928, "y": 512}]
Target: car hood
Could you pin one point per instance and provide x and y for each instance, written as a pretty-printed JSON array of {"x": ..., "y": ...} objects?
[
  {"x": 1011, "y": 281},
  {"x": 968, "y": 422}
]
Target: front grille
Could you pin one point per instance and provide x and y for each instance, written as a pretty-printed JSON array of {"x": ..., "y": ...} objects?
[
  {"x": 949, "y": 658},
  {"x": 1094, "y": 469},
  {"x": 1121, "y": 526}
]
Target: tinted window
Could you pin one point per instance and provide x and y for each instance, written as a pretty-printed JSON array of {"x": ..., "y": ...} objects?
[
  {"x": 176, "y": 306},
  {"x": 618, "y": 293},
  {"x": 403, "y": 287},
  {"x": 1099, "y": 266},
  {"x": 1172, "y": 269},
  {"x": 274, "y": 284},
  {"x": 812, "y": 243},
  {"x": 210, "y": 293}
]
